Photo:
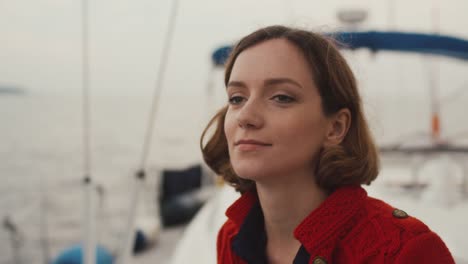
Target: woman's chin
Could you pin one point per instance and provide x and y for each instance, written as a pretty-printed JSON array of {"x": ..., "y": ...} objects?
[{"x": 253, "y": 174}]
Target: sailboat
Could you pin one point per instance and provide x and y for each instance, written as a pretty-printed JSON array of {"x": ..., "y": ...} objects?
[{"x": 199, "y": 242}]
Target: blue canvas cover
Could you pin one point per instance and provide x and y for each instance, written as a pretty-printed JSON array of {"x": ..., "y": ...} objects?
[{"x": 386, "y": 41}]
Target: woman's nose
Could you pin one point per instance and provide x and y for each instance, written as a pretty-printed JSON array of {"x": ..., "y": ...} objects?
[{"x": 250, "y": 116}]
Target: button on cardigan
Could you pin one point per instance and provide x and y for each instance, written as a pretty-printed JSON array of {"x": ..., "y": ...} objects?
[{"x": 348, "y": 227}]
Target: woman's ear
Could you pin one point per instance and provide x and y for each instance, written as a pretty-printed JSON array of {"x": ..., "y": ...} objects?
[{"x": 338, "y": 127}]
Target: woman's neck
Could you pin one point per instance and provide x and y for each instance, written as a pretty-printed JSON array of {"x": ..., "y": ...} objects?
[{"x": 285, "y": 204}]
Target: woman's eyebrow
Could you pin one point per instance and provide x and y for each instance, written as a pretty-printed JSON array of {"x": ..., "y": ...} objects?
[
  {"x": 267, "y": 82},
  {"x": 236, "y": 84},
  {"x": 276, "y": 81}
]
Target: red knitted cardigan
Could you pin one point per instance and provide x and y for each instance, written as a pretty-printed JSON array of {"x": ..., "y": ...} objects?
[{"x": 348, "y": 227}]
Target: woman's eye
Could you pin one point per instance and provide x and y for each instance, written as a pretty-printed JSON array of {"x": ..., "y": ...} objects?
[
  {"x": 236, "y": 100},
  {"x": 284, "y": 99}
]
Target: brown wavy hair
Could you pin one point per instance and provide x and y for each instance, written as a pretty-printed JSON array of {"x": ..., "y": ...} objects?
[{"x": 355, "y": 160}]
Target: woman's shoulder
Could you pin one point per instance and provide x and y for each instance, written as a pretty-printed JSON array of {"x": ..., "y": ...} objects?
[
  {"x": 225, "y": 235},
  {"x": 390, "y": 218},
  {"x": 223, "y": 243},
  {"x": 392, "y": 233},
  {"x": 228, "y": 229}
]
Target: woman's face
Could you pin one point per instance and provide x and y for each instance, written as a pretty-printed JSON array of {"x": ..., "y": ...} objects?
[{"x": 274, "y": 123}]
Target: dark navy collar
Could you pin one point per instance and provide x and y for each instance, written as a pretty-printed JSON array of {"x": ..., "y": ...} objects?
[
  {"x": 250, "y": 241},
  {"x": 320, "y": 231}
]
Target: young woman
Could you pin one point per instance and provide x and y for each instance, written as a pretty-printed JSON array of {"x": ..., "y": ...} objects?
[{"x": 294, "y": 141}]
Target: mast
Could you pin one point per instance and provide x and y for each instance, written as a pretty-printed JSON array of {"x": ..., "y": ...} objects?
[{"x": 89, "y": 247}]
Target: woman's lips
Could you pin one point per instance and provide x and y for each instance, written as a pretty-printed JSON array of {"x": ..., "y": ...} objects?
[{"x": 250, "y": 145}]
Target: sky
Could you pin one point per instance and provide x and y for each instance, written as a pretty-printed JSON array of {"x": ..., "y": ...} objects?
[{"x": 40, "y": 46}]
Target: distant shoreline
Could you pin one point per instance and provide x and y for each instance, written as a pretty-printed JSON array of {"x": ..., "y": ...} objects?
[{"x": 11, "y": 91}]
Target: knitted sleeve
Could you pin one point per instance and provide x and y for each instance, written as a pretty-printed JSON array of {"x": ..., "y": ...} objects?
[{"x": 425, "y": 248}]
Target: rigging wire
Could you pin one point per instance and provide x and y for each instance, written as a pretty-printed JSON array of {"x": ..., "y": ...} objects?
[
  {"x": 129, "y": 235},
  {"x": 158, "y": 86}
]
